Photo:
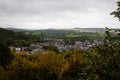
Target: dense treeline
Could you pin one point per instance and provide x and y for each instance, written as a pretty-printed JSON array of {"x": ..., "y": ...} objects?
[
  {"x": 17, "y": 38},
  {"x": 100, "y": 63}
]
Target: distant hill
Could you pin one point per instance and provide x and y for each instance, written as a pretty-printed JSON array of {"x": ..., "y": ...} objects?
[
  {"x": 62, "y": 33},
  {"x": 99, "y": 30}
]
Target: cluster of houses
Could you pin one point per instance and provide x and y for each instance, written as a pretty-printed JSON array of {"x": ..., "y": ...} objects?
[{"x": 60, "y": 44}]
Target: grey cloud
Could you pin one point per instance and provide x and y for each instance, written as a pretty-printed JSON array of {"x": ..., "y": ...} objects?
[
  {"x": 32, "y": 7},
  {"x": 14, "y": 7},
  {"x": 43, "y": 12}
]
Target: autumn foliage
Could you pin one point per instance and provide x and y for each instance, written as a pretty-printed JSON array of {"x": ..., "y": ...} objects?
[{"x": 99, "y": 63}]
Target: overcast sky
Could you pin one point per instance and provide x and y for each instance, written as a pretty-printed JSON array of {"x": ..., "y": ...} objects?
[{"x": 43, "y": 14}]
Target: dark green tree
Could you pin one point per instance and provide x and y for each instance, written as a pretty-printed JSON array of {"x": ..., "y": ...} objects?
[
  {"x": 5, "y": 55},
  {"x": 117, "y": 12}
]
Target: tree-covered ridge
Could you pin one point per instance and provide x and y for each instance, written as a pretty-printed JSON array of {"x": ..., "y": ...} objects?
[{"x": 16, "y": 38}]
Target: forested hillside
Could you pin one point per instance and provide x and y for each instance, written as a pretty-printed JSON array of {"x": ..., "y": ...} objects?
[{"x": 16, "y": 38}]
